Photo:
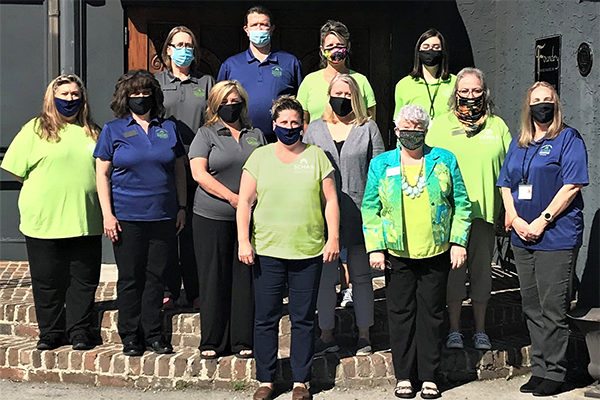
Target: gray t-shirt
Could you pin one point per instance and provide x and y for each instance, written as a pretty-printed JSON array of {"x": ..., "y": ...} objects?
[{"x": 225, "y": 160}]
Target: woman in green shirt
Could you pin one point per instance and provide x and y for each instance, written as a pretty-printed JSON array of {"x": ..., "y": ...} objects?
[
  {"x": 430, "y": 83},
  {"x": 60, "y": 212},
  {"x": 293, "y": 186}
]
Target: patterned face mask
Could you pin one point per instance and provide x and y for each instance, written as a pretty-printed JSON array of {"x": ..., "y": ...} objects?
[
  {"x": 471, "y": 113},
  {"x": 411, "y": 140},
  {"x": 336, "y": 54}
]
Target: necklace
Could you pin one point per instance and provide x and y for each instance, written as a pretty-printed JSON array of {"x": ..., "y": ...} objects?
[{"x": 413, "y": 191}]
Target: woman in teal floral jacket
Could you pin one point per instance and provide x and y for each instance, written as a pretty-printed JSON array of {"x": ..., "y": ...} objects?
[{"x": 416, "y": 210}]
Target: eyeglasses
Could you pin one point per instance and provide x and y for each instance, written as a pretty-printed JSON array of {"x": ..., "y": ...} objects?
[
  {"x": 182, "y": 45},
  {"x": 475, "y": 92},
  {"x": 427, "y": 46}
]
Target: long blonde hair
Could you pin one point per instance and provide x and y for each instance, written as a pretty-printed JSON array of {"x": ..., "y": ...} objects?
[
  {"x": 215, "y": 97},
  {"x": 358, "y": 104},
  {"x": 528, "y": 129},
  {"x": 50, "y": 122}
]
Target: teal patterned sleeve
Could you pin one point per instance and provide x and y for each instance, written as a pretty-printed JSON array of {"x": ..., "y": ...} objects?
[
  {"x": 371, "y": 209},
  {"x": 461, "y": 219}
]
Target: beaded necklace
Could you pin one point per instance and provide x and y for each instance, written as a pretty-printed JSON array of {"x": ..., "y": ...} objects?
[{"x": 413, "y": 191}]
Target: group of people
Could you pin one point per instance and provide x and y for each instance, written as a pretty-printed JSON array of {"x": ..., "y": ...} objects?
[{"x": 247, "y": 189}]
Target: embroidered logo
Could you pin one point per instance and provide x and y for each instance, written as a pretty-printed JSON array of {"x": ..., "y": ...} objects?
[
  {"x": 276, "y": 71},
  {"x": 162, "y": 134},
  {"x": 252, "y": 141},
  {"x": 545, "y": 150},
  {"x": 199, "y": 92}
]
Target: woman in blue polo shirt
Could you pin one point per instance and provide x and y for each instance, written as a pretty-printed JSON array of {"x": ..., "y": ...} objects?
[
  {"x": 140, "y": 174},
  {"x": 541, "y": 180}
]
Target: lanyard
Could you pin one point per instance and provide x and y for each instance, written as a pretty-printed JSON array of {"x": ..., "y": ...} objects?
[
  {"x": 431, "y": 100},
  {"x": 525, "y": 172}
]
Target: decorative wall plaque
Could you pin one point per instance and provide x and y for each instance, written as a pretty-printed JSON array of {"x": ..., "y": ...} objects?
[
  {"x": 547, "y": 60},
  {"x": 584, "y": 59}
]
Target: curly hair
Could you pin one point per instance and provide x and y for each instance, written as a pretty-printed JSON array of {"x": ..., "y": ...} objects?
[{"x": 133, "y": 82}]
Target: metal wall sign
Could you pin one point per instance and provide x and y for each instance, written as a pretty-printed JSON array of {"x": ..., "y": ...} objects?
[
  {"x": 584, "y": 59},
  {"x": 547, "y": 60}
]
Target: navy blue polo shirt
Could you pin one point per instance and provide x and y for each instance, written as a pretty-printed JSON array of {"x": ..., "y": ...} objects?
[
  {"x": 548, "y": 165},
  {"x": 279, "y": 74},
  {"x": 143, "y": 176}
]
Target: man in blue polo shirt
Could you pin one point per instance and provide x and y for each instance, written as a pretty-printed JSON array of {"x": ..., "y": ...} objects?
[{"x": 266, "y": 74}]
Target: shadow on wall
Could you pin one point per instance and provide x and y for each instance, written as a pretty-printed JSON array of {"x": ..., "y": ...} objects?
[{"x": 589, "y": 288}]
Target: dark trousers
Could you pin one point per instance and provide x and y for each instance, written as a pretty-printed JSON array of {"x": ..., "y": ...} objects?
[
  {"x": 64, "y": 277},
  {"x": 271, "y": 275},
  {"x": 142, "y": 254},
  {"x": 545, "y": 279},
  {"x": 226, "y": 295},
  {"x": 182, "y": 266},
  {"x": 416, "y": 299}
]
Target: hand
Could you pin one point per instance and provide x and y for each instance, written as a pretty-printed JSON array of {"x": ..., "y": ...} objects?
[
  {"x": 458, "y": 256},
  {"x": 180, "y": 221},
  {"x": 331, "y": 251},
  {"x": 508, "y": 221},
  {"x": 233, "y": 200},
  {"x": 521, "y": 228},
  {"x": 246, "y": 252},
  {"x": 112, "y": 228},
  {"x": 377, "y": 259},
  {"x": 536, "y": 228}
]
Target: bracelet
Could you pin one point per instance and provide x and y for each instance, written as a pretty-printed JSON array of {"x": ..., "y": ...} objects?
[{"x": 182, "y": 208}]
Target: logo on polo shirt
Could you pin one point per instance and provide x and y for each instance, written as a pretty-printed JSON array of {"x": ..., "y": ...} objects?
[
  {"x": 488, "y": 134},
  {"x": 545, "y": 150},
  {"x": 199, "y": 92},
  {"x": 252, "y": 141},
  {"x": 304, "y": 166},
  {"x": 276, "y": 71},
  {"x": 162, "y": 133}
]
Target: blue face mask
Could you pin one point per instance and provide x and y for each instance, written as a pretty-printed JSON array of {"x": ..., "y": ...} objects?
[
  {"x": 288, "y": 136},
  {"x": 260, "y": 38},
  {"x": 182, "y": 57},
  {"x": 67, "y": 108}
]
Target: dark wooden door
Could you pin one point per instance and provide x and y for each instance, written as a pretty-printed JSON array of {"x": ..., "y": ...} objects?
[{"x": 218, "y": 28}]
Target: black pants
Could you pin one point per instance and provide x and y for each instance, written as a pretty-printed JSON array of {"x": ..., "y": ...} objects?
[
  {"x": 142, "y": 254},
  {"x": 182, "y": 265},
  {"x": 64, "y": 277},
  {"x": 416, "y": 299},
  {"x": 226, "y": 295}
]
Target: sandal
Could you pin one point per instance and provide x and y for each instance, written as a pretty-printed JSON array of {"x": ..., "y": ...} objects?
[
  {"x": 404, "y": 390},
  {"x": 246, "y": 353},
  {"x": 430, "y": 392},
  {"x": 208, "y": 354}
]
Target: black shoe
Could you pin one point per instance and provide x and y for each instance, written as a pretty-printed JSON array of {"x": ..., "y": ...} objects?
[
  {"x": 548, "y": 388},
  {"x": 48, "y": 343},
  {"x": 530, "y": 386},
  {"x": 160, "y": 347},
  {"x": 133, "y": 349},
  {"x": 81, "y": 341}
]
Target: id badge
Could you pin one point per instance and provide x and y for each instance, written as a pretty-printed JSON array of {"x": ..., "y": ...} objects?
[
  {"x": 392, "y": 171},
  {"x": 525, "y": 191}
]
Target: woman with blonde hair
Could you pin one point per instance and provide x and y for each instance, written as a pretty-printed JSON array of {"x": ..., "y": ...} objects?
[
  {"x": 350, "y": 139},
  {"x": 62, "y": 231},
  {"x": 541, "y": 180},
  {"x": 217, "y": 155},
  {"x": 185, "y": 90}
]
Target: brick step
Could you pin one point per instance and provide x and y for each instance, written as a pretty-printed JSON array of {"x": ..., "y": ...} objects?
[{"x": 106, "y": 365}]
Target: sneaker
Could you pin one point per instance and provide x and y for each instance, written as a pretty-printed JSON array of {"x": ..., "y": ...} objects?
[
  {"x": 481, "y": 341},
  {"x": 321, "y": 347},
  {"x": 347, "y": 300},
  {"x": 363, "y": 347},
  {"x": 455, "y": 341},
  {"x": 168, "y": 303}
]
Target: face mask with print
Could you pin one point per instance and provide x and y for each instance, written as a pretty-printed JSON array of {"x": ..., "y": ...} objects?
[
  {"x": 182, "y": 57},
  {"x": 411, "y": 139},
  {"x": 336, "y": 54},
  {"x": 260, "y": 38},
  {"x": 288, "y": 136}
]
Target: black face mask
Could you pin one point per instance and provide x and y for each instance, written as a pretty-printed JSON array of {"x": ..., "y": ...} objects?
[
  {"x": 542, "y": 112},
  {"x": 140, "y": 105},
  {"x": 430, "y": 57},
  {"x": 230, "y": 112},
  {"x": 341, "y": 106}
]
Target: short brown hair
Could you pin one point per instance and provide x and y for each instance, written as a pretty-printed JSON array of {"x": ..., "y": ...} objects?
[
  {"x": 132, "y": 82},
  {"x": 339, "y": 30},
  {"x": 287, "y": 102},
  {"x": 167, "y": 59}
]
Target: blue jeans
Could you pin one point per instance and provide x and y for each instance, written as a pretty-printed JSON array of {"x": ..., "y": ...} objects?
[{"x": 270, "y": 278}]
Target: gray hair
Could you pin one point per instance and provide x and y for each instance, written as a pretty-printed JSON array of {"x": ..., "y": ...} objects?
[
  {"x": 415, "y": 114},
  {"x": 488, "y": 104}
]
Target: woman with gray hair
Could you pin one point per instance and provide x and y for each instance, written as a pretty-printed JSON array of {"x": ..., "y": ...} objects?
[
  {"x": 480, "y": 140},
  {"x": 416, "y": 210}
]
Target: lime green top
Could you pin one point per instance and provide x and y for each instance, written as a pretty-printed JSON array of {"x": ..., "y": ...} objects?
[
  {"x": 59, "y": 198},
  {"x": 312, "y": 93},
  {"x": 418, "y": 233},
  {"x": 288, "y": 217},
  {"x": 479, "y": 157},
  {"x": 414, "y": 91}
]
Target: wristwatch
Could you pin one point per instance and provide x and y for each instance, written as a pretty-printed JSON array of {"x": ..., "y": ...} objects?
[{"x": 547, "y": 216}]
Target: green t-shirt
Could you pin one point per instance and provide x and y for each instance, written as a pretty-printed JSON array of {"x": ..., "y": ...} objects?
[
  {"x": 59, "y": 197},
  {"x": 418, "y": 233},
  {"x": 414, "y": 91},
  {"x": 288, "y": 217},
  {"x": 312, "y": 93},
  {"x": 479, "y": 159}
]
